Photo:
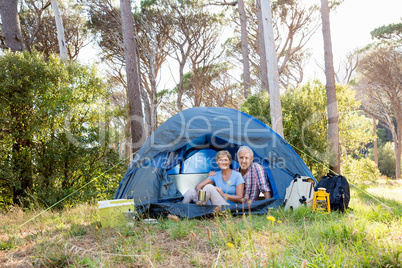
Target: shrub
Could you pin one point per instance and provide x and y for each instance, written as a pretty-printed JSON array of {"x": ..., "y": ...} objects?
[
  {"x": 386, "y": 160},
  {"x": 305, "y": 122},
  {"x": 358, "y": 170},
  {"x": 57, "y": 132}
]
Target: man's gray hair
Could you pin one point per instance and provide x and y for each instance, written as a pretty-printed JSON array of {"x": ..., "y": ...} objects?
[{"x": 245, "y": 148}]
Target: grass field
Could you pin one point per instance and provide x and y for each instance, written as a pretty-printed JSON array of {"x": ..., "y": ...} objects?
[{"x": 369, "y": 234}]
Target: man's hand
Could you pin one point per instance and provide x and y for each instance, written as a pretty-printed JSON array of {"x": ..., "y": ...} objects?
[{"x": 211, "y": 173}]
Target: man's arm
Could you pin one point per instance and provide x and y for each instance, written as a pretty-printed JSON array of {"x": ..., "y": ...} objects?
[
  {"x": 267, "y": 195},
  {"x": 263, "y": 183}
]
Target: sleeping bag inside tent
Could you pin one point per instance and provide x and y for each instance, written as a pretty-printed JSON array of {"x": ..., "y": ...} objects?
[{"x": 181, "y": 152}]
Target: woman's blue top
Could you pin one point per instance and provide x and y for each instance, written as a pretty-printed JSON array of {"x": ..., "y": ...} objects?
[{"x": 229, "y": 186}]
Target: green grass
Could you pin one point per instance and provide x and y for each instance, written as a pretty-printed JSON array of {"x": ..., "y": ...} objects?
[{"x": 369, "y": 234}]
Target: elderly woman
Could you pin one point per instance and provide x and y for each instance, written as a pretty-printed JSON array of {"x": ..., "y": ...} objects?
[{"x": 224, "y": 188}]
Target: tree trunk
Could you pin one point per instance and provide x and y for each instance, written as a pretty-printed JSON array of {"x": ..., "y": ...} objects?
[
  {"x": 261, "y": 49},
  {"x": 147, "y": 113},
  {"x": 11, "y": 25},
  {"x": 154, "y": 112},
  {"x": 133, "y": 79},
  {"x": 272, "y": 64},
  {"x": 181, "y": 86},
  {"x": 244, "y": 48},
  {"x": 127, "y": 145},
  {"x": 332, "y": 106},
  {"x": 375, "y": 143},
  {"x": 154, "y": 99},
  {"x": 60, "y": 30},
  {"x": 398, "y": 150}
]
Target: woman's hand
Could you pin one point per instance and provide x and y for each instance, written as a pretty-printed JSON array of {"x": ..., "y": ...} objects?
[
  {"x": 201, "y": 185},
  {"x": 219, "y": 189}
]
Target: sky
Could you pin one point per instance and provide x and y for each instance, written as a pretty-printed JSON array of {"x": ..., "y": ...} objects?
[{"x": 351, "y": 24}]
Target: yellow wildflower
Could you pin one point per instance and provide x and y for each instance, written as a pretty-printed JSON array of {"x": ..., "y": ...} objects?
[
  {"x": 230, "y": 245},
  {"x": 279, "y": 221},
  {"x": 271, "y": 218}
]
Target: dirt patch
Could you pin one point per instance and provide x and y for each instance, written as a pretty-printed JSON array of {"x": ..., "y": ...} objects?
[{"x": 19, "y": 258}]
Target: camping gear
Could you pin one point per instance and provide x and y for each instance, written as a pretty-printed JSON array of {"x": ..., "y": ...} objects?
[
  {"x": 201, "y": 196},
  {"x": 111, "y": 212},
  {"x": 299, "y": 192},
  {"x": 339, "y": 192},
  {"x": 321, "y": 201},
  {"x": 150, "y": 221},
  {"x": 130, "y": 216},
  {"x": 183, "y": 149}
]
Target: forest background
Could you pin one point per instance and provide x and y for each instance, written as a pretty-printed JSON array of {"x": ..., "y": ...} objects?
[{"x": 65, "y": 126}]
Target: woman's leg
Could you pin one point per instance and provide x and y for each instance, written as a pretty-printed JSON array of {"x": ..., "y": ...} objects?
[
  {"x": 214, "y": 196},
  {"x": 190, "y": 195}
]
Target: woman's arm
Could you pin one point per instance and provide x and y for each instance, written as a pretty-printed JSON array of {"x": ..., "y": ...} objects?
[
  {"x": 238, "y": 198},
  {"x": 202, "y": 184}
]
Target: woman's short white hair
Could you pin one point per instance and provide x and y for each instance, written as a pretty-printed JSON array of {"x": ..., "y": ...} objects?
[{"x": 245, "y": 148}]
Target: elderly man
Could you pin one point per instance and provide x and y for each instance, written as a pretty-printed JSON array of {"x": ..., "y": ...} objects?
[{"x": 254, "y": 175}]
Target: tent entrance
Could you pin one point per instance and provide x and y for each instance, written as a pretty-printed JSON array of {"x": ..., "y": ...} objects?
[{"x": 198, "y": 156}]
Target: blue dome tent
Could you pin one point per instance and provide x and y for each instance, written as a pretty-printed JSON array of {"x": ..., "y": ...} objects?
[{"x": 182, "y": 151}]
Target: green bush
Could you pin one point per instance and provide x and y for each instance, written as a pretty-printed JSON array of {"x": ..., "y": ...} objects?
[
  {"x": 305, "y": 122},
  {"x": 56, "y": 132},
  {"x": 386, "y": 160},
  {"x": 359, "y": 170}
]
